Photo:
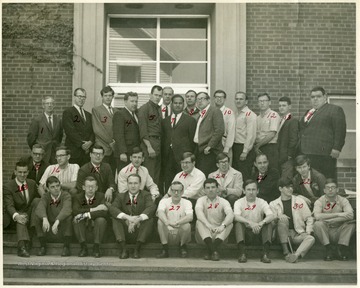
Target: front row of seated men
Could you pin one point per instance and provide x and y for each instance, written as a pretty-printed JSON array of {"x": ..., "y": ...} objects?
[{"x": 133, "y": 212}]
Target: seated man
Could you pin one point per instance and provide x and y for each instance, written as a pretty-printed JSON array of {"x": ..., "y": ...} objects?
[
  {"x": 253, "y": 217},
  {"x": 294, "y": 221},
  {"x": 137, "y": 158},
  {"x": 334, "y": 225},
  {"x": 308, "y": 183},
  {"x": 64, "y": 171},
  {"x": 53, "y": 217},
  {"x": 230, "y": 181},
  {"x": 20, "y": 198},
  {"x": 214, "y": 220},
  {"x": 132, "y": 214},
  {"x": 175, "y": 215},
  {"x": 90, "y": 214}
]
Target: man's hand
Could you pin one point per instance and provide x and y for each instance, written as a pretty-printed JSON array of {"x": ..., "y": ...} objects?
[
  {"x": 108, "y": 195},
  {"x": 46, "y": 225},
  {"x": 207, "y": 150},
  {"x": 86, "y": 145},
  {"x": 335, "y": 153},
  {"x": 243, "y": 156},
  {"x": 154, "y": 196},
  {"x": 79, "y": 217},
  {"x": 101, "y": 207},
  {"x": 256, "y": 229},
  {"x": 283, "y": 218},
  {"x": 123, "y": 157},
  {"x": 172, "y": 230},
  {"x": 131, "y": 227},
  {"x": 55, "y": 228},
  {"x": 218, "y": 230},
  {"x": 21, "y": 218},
  {"x": 257, "y": 149},
  {"x": 151, "y": 152}
]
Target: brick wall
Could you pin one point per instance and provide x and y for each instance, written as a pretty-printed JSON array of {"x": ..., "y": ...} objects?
[{"x": 25, "y": 81}]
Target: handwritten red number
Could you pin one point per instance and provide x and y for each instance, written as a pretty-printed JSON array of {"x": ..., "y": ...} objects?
[
  {"x": 42, "y": 129},
  {"x": 105, "y": 119},
  {"x": 250, "y": 208},
  {"x": 56, "y": 169},
  {"x": 247, "y": 114},
  {"x": 128, "y": 122},
  {"x": 203, "y": 112},
  {"x": 152, "y": 117},
  {"x": 77, "y": 118}
]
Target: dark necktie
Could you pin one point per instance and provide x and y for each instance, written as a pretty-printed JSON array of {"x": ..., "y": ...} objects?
[
  {"x": 133, "y": 114},
  {"x": 174, "y": 123},
  {"x": 23, "y": 188},
  {"x": 50, "y": 122},
  {"x": 111, "y": 111},
  {"x": 166, "y": 111},
  {"x": 133, "y": 204},
  {"x": 82, "y": 114}
]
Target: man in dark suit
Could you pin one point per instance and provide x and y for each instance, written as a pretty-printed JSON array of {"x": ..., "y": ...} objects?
[
  {"x": 90, "y": 214},
  {"x": 132, "y": 214},
  {"x": 126, "y": 130},
  {"x": 191, "y": 109},
  {"x": 46, "y": 129},
  {"x": 20, "y": 198},
  {"x": 288, "y": 136},
  {"x": 322, "y": 133},
  {"x": 210, "y": 129},
  {"x": 177, "y": 132},
  {"x": 78, "y": 129}
]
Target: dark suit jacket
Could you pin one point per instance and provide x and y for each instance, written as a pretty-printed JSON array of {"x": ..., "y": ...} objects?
[
  {"x": 325, "y": 131},
  {"x": 211, "y": 130},
  {"x": 126, "y": 132},
  {"x": 288, "y": 139},
  {"x": 77, "y": 131},
  {"x": 122, "y": 203},
  {"x": 181, "y": 136},
  {"x": 13, "y": 199},
  {"x": 268, "y": 187},
  {"x": 41, "y": 132},
  {"x": 52, "y": 211},
  {"x": 80, "y": 205},
  {"x": 32, "y": 169}
]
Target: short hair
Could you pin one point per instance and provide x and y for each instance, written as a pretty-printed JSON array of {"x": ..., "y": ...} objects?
[
  {"x": 130, "y": 94},
  {"x": 302, "y": 159},
  {"x": 261, "y": 154},
  {"x": 210, "y": 181},
  {"x": 156, "y": 87},
  {"x": 187, "y": 155},
  {"x": 136, "y": 150},
  {"x": 79, "y": 89},
  {"x": 96, "y": 146},
  {"x": 241, "y": 92},
  {"x": 168, "y": 87},
  {"x": 134, "y": 175},
  {"x": 220, "y": 91},
  {"x": 284, "y": 182},
  {"x": 178, "y": 183},
  {"x": 107, "y": 89},
  {"x": 222, "y": 156},
  {"x": 190, "y": 91},
  {"x": 331, "y": 180},
  {"x": 318, "y": 88},
  {"x": 264, "y": 94},
  {"x": 206, "y": 94},
  {"x": 285, "y": 99},
  {"x": 250, "y": 181},
  {"x": 38, "y": 146},
  {"x": 178, "y": 96},
  {"x": 46, "y": 97},
  {"x": 67, "y": 150},
  {"x": 21, "y": 163},
  {"x": 90, "y": 178},
  {"x": 51, "y": 180}
]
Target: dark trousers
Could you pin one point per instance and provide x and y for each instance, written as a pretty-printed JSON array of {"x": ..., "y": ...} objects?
[
  {"x": 243, "y": 166},
  {"x": 272, "y": 153},
  {"x": 80, "y": 158},
  {"x": 141, "y": 234},
  {"x": 121, "y": 164},
  {"x": 22, "y": 231},
  {"x": 96, "y": 226},
  {"x": 245, "y": 234},
  {"x": 65, "y": 229},
  {"x": 287, "y": 169},
  {"x": 111, "y": 161},
  {"x": 326, "y": 165},
  {"x": 206, "y": 163},
  {"x": 153, "y": 164},
  {"x": 170, "y": 167}
]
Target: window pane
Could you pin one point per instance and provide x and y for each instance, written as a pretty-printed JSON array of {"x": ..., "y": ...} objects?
[
  {"x": 132, "y": 28},
  {"x": 349, "y": 149},
  {"x": 182, "y": 73},
  {"x": 349, "y": 106},
  {"x": 131, "y": 73},
  {"x": 132, "y": 50},
  {"x": 183, "y": 28},
  {"x": 183, "y": 51}
]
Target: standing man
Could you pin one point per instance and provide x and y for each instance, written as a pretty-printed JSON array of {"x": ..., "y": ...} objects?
[
  {"x": 191, "y": 109},
  {"x": 102, "y": 123},
  {"x": 78, "y": 129},
  {"x": 46, "y": 130},
  {"x": 167, "y": 95},
  {"x": 268, "y": 122},
  {"x": 126, "y": 130},
  {"x": 245, "y": 135},
  {"x": 288, "y": 136},
  {"x": 214, "y": 220},
  {"x": 150, "y": 132},
  {"x": 322, "y": 133},
  {"x": 208, "y": 135},
  {"x": 177, "y": 137}
]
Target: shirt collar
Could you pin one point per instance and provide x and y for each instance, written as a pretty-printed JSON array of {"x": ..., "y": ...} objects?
[
  {"x": 47, "y": 115},
  {"x": 265, "y": 113},
  {"x": 129, "y": 110},
  {"x": 57, "y": 198},
  {"x": 244, "y": 109},
  {"x": 19, "y": 183},
  {"x": 173, "y": 115},
  {"x": 222, "y": 108},
  {"x": 106, "y": 106},
  {"x": 308, "y": 176}
]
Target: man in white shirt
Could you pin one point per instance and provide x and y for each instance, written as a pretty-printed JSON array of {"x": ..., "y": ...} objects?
[
  {"x": 175, "y": 214},
  {"x": 168, "y": 93},
  {"x": 191, "y": 109}
]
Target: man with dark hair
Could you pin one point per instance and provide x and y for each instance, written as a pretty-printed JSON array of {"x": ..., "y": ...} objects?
[
  {"x": 166, "y": 108},
  {"x": 334, "y": 221},
  {"x": 288, "y": 136},
  {"x": 230, "y": 181},
  {"x": 90, "y": 214},
  {"x": 308, "y": 183},
  {"x": 214, "y": 220},
  {"x": 53, "y": 217},
  {"x": 150, "y": 132},
  {"x": 100, "y": 171},
  {"x": 208, "y": 135},
  {"x": 293, "y": 222},
  {"x": 126, "y": 130},
  {"x": 46, "y": 130},
  {"x": 102, "y": 123},
  {"x": 245, "y": 135},
  {"x": 132, "y": 214},
  {"x": 78, "y": 129},
  {"x": 322, "y": 133},
  {"x": 191, "y": 109},
  {"x": 253, "y": 218},
  {"x": 20, "y": 198},
  {"x": 177, "y": 132}
]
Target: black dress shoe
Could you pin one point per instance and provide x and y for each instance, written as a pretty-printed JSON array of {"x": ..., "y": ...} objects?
[
  {"x": 83, "y": 252},
  {"x": 22, "y": 252},
  {"x": 207, "y": 256},
  {"x": 65, "y": 252},
  {"x": 343, "y": 258},
  {"x": 215, "y": 256},
  {"x": 242, "y": 258},
  {"x": 124, "y": 254},
  {"x": 163, "y": 254},
  {"x": 42, "y": 251},
  {"x": 96, "y": 252},
  {"x": 265, "y": 259},
  {"x": 183, "y": 253},
  {"x": 328, "y": 258},
  {"x": 136, "y": 254}
]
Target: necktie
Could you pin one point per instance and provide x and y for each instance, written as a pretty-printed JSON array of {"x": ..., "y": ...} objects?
[
  {"x": 309, "y": 115},
  {"x": 23, "y": 188},
  {"x": 37, "y": 168},
  {"x": 111, "y": 111},
  {"x": 166, "y": 111},
  {"x": 133, "y": 113},
  {"x": 50, "y": 122},
  {"x": 174, "y": 122},
  {"x": 82, "y": 114},
  {"x": 133, "y": 203},
  {"x": 97, "y": 169}
]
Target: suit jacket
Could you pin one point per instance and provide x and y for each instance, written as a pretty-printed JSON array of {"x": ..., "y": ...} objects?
[
  {"x": 126, "y": 132},
  {"x": 32, "y": 170},
  {"x": 13, "y": 199},
  {"x": 232, "y": 181},
  {"x": 268, "y": 186},
  {"x": 60, "y": 211},
  {"x": 80, "y": 205},
  {"x": 41, "y": 132},
  {"x": 325, "y": 131},
  {"x": 288, "y": 137},
  {"x": 122, "y": 204},
  {"x": 181, "y": 137},
  {"x": 211, "y": 130},
  {"x": 76, "y": 130},
  {"x": 102, "y": 123}
]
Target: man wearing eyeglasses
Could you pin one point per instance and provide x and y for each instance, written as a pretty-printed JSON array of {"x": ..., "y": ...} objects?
[
  {"x": 78, "y": 129},
  {"x": 64, "y": 171}
]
